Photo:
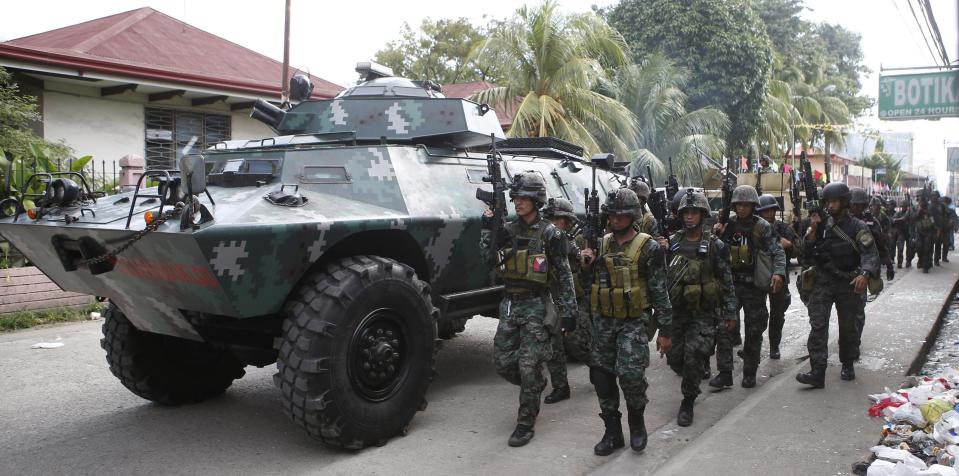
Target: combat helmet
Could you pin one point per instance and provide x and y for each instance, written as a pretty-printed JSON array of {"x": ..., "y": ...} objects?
[
  {"x": 875, "y": 200},
  {"x": 693, "y": 199},
  {"x": 529, "y": 184},
  {"x": 835, "y": 190},
  {"x": 767, "y": 201},
  {"x": 559, "y": 207},
  {"x": 858, "y": 196},
  {"x": 745, "y": 194},
  {"x": 622, "y": 201},
  {"x": 640, "y": 187}
]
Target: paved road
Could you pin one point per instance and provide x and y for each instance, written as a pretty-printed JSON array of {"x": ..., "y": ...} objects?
[{"x": 63, "y": 412}]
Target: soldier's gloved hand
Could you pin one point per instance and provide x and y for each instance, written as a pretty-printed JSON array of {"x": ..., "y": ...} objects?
[
  {"x": 890, "y": 273},
  {"x": 488, "y": 218},
  {"x": 569, "y": 324}
]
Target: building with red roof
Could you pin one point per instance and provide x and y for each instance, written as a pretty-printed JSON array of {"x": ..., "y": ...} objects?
[
  {"x": 505, "y": 114},
  {"x": 144, "y": 83}
]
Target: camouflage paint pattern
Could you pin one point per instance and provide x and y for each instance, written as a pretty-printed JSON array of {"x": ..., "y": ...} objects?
[
  {"x": 254, "y": 253},
  {"x": 520, "y": 348}
]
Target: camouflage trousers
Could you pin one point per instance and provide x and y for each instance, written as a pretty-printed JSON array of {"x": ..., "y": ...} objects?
[
  {"x": 693, "y": 336},
  {"x": 940, "y": 249},
  {"x": 778, "y": 304},
  {"x": 755, "y": 318},
  {"x": 925, "y": 249},
  {"x": 575, "y": 346},
  {"x": 520, "y": 348},
  {"x": 828, "y": 291},
  {"x": 620, "y": 350},
  {"x": 903, "y": 244}
]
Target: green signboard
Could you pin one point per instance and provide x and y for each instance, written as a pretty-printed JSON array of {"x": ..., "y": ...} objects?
[{"x": 919, "y": 96}]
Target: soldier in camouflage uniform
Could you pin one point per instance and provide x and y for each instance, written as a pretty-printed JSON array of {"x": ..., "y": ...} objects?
[
  {"x": 940, "y": 215},
  {"x": 778, "y": 302},
  {"x": 628, "y": 283},
  {"x": 843, "y": 252},
  {"x": 859, "y": 199},
  {"x": 535, "y": 259},
  {"x": 924, "y": 226},
  {"x": 900, "y": 223},
  {"x": 646, "y": 223},
  {"x": 560, "y": 212},
  {"x": 748, "y": 235},
  {"x": 701, "y": 291}
]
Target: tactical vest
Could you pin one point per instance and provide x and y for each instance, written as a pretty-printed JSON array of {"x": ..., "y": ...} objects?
[
  {"x": 644, "y": 224},
  {"x": 692, "y": 282},
  {"x": 526, "y": 265},
  {"x": 840, "y": 252},
  {"x": 743, "y": 240},
  {"x": 619, "y": 287}
]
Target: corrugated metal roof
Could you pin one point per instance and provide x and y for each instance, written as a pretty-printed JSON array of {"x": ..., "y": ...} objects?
[{"x": 149, "y": 44}]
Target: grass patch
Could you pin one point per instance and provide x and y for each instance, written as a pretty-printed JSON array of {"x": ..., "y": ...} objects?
[{"x": 27, "y": 319}]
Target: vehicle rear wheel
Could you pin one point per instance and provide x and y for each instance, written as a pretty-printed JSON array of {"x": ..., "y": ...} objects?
[
  {"x": 165, "y": 369},
  {"x": 356, "y": 352}
]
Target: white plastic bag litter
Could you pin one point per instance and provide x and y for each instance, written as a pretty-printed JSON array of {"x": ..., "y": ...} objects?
[
  {"x": 46, "y": 345},
  {"x": 898, "y": 455},
  {"x": 946, "y": 430},
  {"x": 938, "y": 469},
  {"x": 909, "y": 413},
  {"x": 880, "y": 468}
]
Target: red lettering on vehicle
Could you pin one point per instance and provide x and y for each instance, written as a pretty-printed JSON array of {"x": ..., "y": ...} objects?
[{"x": 166, "y": 271}]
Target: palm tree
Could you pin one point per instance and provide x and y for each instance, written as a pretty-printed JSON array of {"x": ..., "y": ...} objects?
[
  {"x": 827, "y": 115},
  {"x": 778, "y": 118},
  {"x": 554, "y": 66},
  {"x": 653, "y": 92}
]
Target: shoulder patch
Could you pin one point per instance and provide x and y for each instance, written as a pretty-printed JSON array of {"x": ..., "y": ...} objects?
[{"x": 864, "y": 237}]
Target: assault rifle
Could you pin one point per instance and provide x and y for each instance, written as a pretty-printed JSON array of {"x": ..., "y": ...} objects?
[
  {"x": 794, "y": 196},
  {"x": 728, "y": 184},
  {"x": 593, "y": 227},
  {"x": 759, "y": 179},
  {"x": 672, "y": 186},
  {"x": 809, "y": 184},
  {"x": 657, "y": 203},
  {"x": 495, "y": 199}
]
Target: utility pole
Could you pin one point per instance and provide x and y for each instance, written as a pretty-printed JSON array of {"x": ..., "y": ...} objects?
[{"x": 285, "y": 82}]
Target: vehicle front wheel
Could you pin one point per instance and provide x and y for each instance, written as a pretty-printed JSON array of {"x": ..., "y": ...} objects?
[{"x": 356, "y": 352}]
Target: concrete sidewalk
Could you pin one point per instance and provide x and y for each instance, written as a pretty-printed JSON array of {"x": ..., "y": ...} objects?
[{"x": 786, "y": 428}]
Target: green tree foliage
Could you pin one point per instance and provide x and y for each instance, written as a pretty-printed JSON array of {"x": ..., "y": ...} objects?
[
  {"x": 653, "y": 92},
  {"x": 722, "y": 43},
  {"x": 439, "y": 51},
  {"x": 882, "y": 160},
  {"x": 17, "y": 113},
  {"x": 552, "y": 67}
]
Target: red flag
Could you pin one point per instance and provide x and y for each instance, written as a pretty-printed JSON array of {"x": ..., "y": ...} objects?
[
  {"x": 817, "y": 175},
  {"x": 743, "y": 163}
]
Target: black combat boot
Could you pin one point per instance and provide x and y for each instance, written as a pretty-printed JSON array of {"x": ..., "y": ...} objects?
[
  {"x": 685, "y": 417},
  {"x": 815, "y": 377},
  {"x": 749, "y": 378},
  {"x": 613, "y": 438},
  {"x": 722, "y": 379},
  {"x": 557, "y": 395},
  {"x": 774, "y": 352},
  {"x": 521, "y": 435},
  {"x": 637, "y": 429},
  {"x": 848, "y": 372}
]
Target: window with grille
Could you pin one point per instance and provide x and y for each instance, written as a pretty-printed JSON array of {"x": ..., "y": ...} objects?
[{"x": 168, "y": 131}]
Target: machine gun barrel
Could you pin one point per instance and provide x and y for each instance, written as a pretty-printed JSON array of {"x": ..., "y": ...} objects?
[{"x": 727, "y": 190}]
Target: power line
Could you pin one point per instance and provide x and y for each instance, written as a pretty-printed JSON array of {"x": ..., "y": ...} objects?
[
  {"x": 934, "y": 27},
  {"x": 922, "y": 31},
  {"x": 912, "y": 35}
]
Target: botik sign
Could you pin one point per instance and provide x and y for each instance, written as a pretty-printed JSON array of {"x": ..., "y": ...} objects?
[{"x": 919, "y": 96}]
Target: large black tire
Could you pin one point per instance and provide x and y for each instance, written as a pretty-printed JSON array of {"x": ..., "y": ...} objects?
[
  {"x": 165, "y": 369},
  {"x": 356, "y": 352}
]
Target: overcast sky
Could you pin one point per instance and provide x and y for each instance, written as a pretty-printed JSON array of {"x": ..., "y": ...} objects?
[{"x": 329, "y": 37}]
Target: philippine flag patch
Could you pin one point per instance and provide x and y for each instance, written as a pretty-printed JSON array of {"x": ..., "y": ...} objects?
[{"x": 539, "y": 264}]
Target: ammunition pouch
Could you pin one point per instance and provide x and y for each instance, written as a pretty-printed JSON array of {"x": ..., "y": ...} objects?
[
  {"x": 807, "y": 279},
  {"x": 763, "y": 270},
  {"x": 621, "y": 290},
  {"x": 524, "y": 265},
  {"x": 875, "y": 285},
  {"x": 740, "y": 257}
]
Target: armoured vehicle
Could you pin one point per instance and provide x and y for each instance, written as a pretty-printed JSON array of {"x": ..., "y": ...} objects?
[{"x": 340, "y": 249}]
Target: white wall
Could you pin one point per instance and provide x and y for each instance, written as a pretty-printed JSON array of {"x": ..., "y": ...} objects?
[
  {"x": 107, "y": 130},
  {"x": 245, "y": 127}
]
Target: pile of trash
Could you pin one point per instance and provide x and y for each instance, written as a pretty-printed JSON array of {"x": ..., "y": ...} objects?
[{"x": 921, "y": 433}]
